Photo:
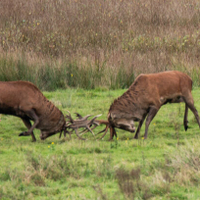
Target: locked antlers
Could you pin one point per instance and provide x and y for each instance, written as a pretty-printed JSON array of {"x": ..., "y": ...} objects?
[{"x": 88, "y": 125}]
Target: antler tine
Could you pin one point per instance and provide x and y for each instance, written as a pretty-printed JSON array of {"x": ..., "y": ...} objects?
[
  {"x": 70, "y": 117},
  {"x": 78, "y": 115},
  {"x": 60, "y": 134},
  {"x": 64, "y": 132},
  {"x": 86, "y": 117},
  {"x": 81, "y": 117},
  {"x": 76, "y": 131},
  {"x": 83, "y": 122},
  {"x": 92, "y": 121},
  {"x": 104, "y": 130},
  {"x": 67, "y": 125}
]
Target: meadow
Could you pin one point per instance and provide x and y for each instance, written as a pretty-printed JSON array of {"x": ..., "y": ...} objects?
[
  {"x": 165, "y": 166},
  {"x": 83, "y": 54}
]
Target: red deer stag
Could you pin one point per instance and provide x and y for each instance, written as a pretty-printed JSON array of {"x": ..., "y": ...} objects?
[
  {"x": 145, "y": 97},
  {"x": 24, "y": 100}
]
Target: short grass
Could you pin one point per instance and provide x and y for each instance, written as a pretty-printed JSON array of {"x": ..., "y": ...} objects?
[{"x": 165, "y": 166}]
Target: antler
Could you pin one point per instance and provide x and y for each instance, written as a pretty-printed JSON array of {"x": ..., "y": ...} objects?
[
  {"x": 105, "y": 130},
  {"x": 89, "y": 125},
  {"x": 81, "y": 122},
  {"x": 69, "y": 117}
]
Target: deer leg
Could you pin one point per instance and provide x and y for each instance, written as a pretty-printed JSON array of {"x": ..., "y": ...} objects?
[
  {"x": 190, "y": 103},
  {"x": 28, "y": 125},
  {"x": 32, "y": 115},
  {"x": 151, "y": 115},
  {"x": 139, "y": 126},
  {"x": 185, "y": 122}
]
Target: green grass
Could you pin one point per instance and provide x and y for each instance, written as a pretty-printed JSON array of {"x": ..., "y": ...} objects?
[{"x": 165, "y": 166}]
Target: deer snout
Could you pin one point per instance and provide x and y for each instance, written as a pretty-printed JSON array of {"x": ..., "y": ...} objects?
[
  {"x": 44, "y": 135},
  {"x": 125, "y": 124}
]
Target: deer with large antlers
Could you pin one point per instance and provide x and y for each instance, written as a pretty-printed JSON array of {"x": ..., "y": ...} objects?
[
  {"x": 144, "y": 98},
  {"x": 23, "y": 99}
]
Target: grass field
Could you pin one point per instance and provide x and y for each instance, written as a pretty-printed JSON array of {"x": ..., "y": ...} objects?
[
  {"x": 99, "y": 46},
  {"x": 165, "y": 166}
]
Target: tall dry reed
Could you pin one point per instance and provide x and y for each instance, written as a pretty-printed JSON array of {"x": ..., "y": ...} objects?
[{"x": 104, "y": 36}]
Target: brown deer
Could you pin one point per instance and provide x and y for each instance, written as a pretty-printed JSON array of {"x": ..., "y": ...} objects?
[
  {"x": 145, "y": 97},
  {"x": 25, "y": 100}
]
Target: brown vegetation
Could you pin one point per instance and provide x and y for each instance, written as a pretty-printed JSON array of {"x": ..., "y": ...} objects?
[{"x": 140, "y": 36}]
